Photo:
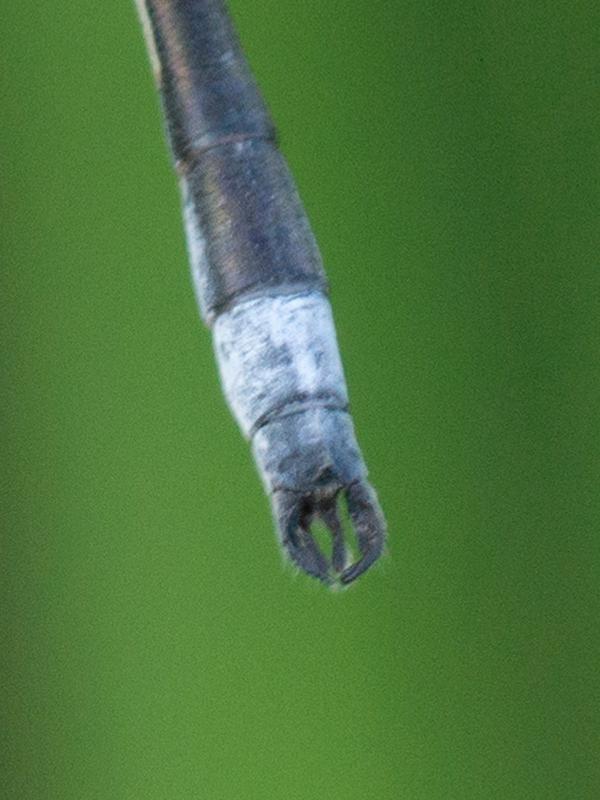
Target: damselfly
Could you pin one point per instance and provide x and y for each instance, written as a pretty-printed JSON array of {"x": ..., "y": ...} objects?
[{"x": 261, "y": 286}]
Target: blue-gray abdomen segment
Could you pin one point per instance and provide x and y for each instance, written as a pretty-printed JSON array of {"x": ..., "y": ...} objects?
[
  {"x": 207, "y": 87},
  {"x": 246, "y": 226}
]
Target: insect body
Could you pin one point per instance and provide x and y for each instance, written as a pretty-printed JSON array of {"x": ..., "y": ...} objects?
[{"x": 261, "y": 286}]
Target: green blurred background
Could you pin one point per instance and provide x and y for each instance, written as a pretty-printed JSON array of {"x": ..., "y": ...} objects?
[{"x": 153, "y": 645}]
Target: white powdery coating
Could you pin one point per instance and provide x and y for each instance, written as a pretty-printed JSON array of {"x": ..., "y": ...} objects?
[{"x": 278, "y": 353}]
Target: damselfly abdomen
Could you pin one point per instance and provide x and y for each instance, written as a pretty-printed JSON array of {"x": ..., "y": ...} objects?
[{"x": 261, "y": 286}]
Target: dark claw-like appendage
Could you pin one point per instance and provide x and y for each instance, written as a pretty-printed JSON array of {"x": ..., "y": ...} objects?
[
  {"x": 294, "y": 531},
  {"x": 295, "y": 513},
  {"x": 369, "y": 524}
]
